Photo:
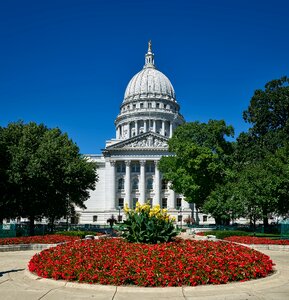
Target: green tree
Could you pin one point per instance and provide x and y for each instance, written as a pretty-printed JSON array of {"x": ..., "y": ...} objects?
[
  {"x": 48, "y": 174},
  {"x": 268, "y": 113},
  {"x": 261, "y": 171},
  {"x": 201, "y": 159},
  {"x": 223, "y": 204},
  {"x": 255, "y": 187},
  {"x": 279, "y": 166}
]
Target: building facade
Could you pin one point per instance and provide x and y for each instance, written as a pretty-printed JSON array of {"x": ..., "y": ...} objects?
[{"x": 128, "y": 167}]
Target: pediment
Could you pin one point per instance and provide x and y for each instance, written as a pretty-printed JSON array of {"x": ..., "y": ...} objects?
[{"x": 148, "y": 140}]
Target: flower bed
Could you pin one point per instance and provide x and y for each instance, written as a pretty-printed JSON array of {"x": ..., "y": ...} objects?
[
  {"x": 38, "y": 239},
  {"x": 255, "y": 240},
  {"x": 180, "y": 263}
]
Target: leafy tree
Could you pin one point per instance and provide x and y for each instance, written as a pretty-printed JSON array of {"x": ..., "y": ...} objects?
[
  {"x": 47, "y": 172},
  {"x": 258, "y": 156},
  {"x": 8, "y": 206},
  {"x": 223, "y": 204},
  {"x": 269, "y": 109},
  {"x": 255, "y": 188},
  {"x": 268, "y": 113},
  {"x": 201, "y": 159},
  {"x": 279, "y": 166}
]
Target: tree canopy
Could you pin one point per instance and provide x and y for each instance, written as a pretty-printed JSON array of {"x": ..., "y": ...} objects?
[
  {"x": 262, "y": 152},
  {"x": 201, "y": 159},
  {"x": 247, "y": 178},
  {"x": 44, "y": 173}
]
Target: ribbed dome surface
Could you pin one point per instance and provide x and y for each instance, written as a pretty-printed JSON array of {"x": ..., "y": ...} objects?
[{"x": 147, "y": 83}]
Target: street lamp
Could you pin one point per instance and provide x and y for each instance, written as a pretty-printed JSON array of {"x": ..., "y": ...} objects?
[
  {"x": 180, "y": 216},
  {"x": 119, "y": 216}
]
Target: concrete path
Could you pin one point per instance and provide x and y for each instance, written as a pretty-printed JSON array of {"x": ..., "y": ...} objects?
[{"x": 17, "y": 283}]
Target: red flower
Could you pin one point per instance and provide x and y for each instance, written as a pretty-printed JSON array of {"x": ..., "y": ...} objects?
[
  {"x": 181, "y": 263},
  {"x": 38, "y": 239},
  {"x": 255, "y": 240}
]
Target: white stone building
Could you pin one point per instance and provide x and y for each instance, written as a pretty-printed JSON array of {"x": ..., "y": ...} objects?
[{"x": 128, "y": 167}]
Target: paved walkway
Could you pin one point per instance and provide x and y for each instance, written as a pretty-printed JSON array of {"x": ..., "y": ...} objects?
[{"x": 17, "y": 283}]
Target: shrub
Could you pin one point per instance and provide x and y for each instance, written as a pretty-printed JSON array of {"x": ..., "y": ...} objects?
[
  {"x": 147, "y": 225},
  {"x": 221, "y": 234}
]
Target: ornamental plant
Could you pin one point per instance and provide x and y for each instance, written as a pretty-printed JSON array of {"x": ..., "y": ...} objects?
[
  {"x": 179, "y": 263},
  {"x": 251, "y": 240},
  {"x": 146, "y": 224},
  {"x": 38, "y": 239}
]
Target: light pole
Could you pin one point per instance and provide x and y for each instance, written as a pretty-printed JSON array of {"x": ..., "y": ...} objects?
[
  {"x": 119, "y": 216},
  {"x": 180, "y": 216}
]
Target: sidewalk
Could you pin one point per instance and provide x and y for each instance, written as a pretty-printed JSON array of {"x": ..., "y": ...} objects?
[{"x": 17, "y": 283}]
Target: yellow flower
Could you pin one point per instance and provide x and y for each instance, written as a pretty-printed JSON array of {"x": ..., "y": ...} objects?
[{"x": 126, "y": 208}]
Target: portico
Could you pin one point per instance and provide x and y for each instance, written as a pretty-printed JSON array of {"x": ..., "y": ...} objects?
[{"x": 128, "y": 168}]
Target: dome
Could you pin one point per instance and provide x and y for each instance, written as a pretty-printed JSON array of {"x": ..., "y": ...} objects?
[{"x": 149, "y": 83}]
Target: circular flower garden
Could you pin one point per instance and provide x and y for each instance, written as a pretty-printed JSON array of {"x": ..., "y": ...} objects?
[
  {"x": 149, "y": 254},
  {"x": 180, "y": 263}
]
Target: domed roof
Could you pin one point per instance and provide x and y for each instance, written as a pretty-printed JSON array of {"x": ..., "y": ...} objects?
[{"x": 149, "y": 83}]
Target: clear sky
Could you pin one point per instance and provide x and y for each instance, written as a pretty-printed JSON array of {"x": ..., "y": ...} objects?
[{"x": 66, "y": 63}]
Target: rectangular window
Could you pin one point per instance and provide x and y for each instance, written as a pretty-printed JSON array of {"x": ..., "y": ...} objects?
[
  {"x": 120, "y": 167},
  {"x": 205, "y": 218},
  {"x": 164, "y": 184},
  {"x": 150, "y": 167},
  {"x": 179, "y": 203},
  {"x": 94, "y": 218},
  {"x": 135, "y": 168},
  {"x": 158, "y": 105},
  {"x": 164, "y": 202},
  {"x": 149, "y": 105},
  {"x": 120, "y": 202},
  {"x": 141, "y": 105},
  {"x": 134, "y": 201},
  {"x": 150, "y": 201}
]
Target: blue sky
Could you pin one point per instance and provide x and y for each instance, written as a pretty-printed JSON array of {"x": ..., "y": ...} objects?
[{"x": 67, "y": 63}]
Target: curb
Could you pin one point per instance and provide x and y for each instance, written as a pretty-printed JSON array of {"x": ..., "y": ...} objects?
[
  {"x": 23, "y": 247},
  {"x": 99, "y": 287}
]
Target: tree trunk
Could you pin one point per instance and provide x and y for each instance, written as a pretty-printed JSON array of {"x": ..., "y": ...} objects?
[
  {"x": 266, "y": 224},
  {"x": 51, "y": 224},
  {"x": 31, "y": 225}
]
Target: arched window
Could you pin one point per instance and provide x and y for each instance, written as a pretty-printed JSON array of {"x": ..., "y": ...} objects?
[
  {"x": 135, "y": 184},
  {"x": 149, "y": 183},
  {"x": 120, "y": 184}
]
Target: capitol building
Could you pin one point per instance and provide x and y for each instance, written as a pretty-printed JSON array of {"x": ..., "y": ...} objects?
[{"x": 128, "y": 166}]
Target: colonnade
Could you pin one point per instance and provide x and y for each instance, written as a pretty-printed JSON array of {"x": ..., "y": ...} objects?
[
  {"x": 157, "y": 194},
  {"x": 133, "y": 128}
]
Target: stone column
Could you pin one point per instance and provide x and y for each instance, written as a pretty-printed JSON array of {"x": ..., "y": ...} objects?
[
  {"x": 142, "y": 187},
  {"x": 118, "y": 132},
  {"x": 145, "y": 125},
  {"x": 127, "y": 184},
  {"x": 154, "y": 126},
  {"x": 110, "y": 185},
  {"x": 157, "y": 185},
  {"x": 171, "y": 129},
  {"x": 185, "y": 204},
  {"x": 136, "y": 127},
  {"x": 163, "y": 127},
  {"x": 172, "y": 199},
  {"x": 128, "y": 126}
]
